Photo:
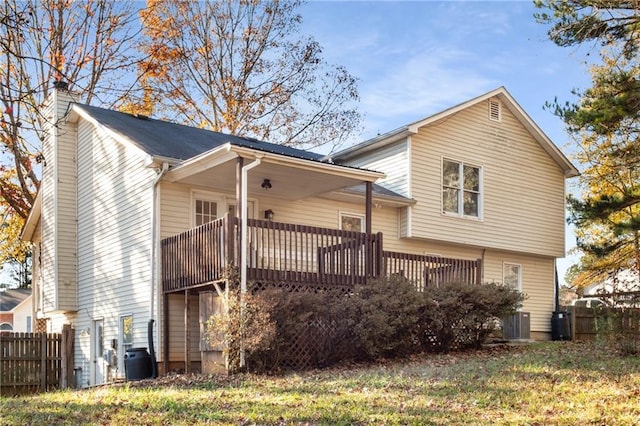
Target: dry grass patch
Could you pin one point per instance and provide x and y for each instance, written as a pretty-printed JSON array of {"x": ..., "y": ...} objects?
[{"x": 543, "y": 383}]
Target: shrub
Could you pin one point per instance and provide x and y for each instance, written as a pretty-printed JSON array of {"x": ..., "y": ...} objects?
[
  {"x": 311, "y": 329},
  {"x": 246, "y": 327},
  {"x": 464, "y": 314},
  {"x": 385, "y": 317}
]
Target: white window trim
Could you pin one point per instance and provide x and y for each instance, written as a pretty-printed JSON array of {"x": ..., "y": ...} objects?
[
  {"x": 461, "y": 195},
  {"x": 206, "y": 196},
  {"x": 121, "y": 349},
  {"x": 519, "y": 288},
  {"x": 342, "y": 214}
]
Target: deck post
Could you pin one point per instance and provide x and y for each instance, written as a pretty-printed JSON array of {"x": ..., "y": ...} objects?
[
  {"x": 239, "y": 203},
  {"x": 165, "y": 331},
  {"x": 187, "y": 334},
  {"x": 368, "y": 254},
  {"x": 479, "y": 271}
]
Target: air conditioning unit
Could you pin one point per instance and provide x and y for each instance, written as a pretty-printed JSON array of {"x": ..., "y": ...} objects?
[{"x": 517, "y": 326}]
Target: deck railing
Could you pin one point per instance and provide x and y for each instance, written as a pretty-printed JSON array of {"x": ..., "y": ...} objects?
[
  {"x": 284, "y": 252},
  {"x": 426, "y": 270},
  {"x": 199, "y": 255}
]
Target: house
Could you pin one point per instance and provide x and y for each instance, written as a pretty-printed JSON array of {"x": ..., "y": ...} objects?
[
  {"x": 137, "y": 220},
  {"x": 15, "y": 310}
]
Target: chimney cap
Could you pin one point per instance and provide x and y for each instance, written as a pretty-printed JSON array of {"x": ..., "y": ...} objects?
[{"x": 61, "y": 85}]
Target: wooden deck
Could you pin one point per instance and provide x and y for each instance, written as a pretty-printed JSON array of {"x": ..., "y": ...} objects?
[{"x": 297, "y": 254}]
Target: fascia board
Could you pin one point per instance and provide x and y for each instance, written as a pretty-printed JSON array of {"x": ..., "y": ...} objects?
[
  {"x": 32, "y": 220},
  {"x": 202, "y": 162},
  {"x": 300, "y": 163}
]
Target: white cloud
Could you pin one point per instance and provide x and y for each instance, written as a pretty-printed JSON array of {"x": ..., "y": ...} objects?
[{"x": 422, "y": 85}]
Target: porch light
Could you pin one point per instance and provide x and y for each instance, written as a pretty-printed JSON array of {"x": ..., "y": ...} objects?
[
  {"x": 266, "y": 184},
  {"x": 269, "y": 214}
]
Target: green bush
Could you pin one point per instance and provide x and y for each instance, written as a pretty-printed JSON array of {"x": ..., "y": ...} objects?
[
  {"x": 245, "y": 327},
  {"x": 464, "y": 314},
  {"x": 387, "y": 317},
  {"x": 384, "y": 316}
]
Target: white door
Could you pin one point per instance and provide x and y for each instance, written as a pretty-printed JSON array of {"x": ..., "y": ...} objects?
[{"x": 99, "y": 364}]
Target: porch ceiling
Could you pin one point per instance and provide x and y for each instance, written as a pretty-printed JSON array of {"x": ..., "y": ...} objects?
[{"x": 287, "y": 182}]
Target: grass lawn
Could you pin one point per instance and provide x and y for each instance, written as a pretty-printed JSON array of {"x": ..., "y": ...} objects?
[{"x": 539, "y": 384}]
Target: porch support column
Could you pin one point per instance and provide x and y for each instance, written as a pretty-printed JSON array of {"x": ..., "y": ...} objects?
[
  {"x": 368, "y": 207},
  {"x": 239, "y": 203},
  {"x": 187, "y": 334},
  {"x": 369, "y": 265}
]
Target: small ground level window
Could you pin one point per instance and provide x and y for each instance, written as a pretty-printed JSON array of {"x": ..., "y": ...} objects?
[
  {"x": 126, "y": 331},
  {"x": 512, "y": 275}
]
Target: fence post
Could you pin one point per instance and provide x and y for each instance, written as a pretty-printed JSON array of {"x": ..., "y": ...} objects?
[
  {"x": 479, "y": 271},
  {"x": 43, "y": 362},
  {"x": 66, "y": 356}
]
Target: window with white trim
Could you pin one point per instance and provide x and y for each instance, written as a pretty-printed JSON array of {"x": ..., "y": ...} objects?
[
  {"x": 205, "y": 211},
  {"x": 461, "y": 189},
  {"x": 126, "y": 332},
  {"x": 352, "y": 222},
  {"x": 512, "y": 275}
]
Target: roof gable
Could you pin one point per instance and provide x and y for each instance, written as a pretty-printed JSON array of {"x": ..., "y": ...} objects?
[
  {"x": 11, "y": 298},
  {"x": 507, "y": 101}
]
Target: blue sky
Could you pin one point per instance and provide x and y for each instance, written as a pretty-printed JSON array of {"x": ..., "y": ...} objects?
[{"x": 416, "y": 58}]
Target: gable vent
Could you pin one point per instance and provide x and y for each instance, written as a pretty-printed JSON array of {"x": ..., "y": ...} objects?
[{"x": 494, "y": 110}]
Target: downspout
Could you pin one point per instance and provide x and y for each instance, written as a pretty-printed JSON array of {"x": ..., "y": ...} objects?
[
  {"x": 244, "y": 215},
  {"x": 154, "y": 237},
  {"x": 154, "y": 266}
]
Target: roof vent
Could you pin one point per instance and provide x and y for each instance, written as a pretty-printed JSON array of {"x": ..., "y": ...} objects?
[{"x": 494, "y": 110}]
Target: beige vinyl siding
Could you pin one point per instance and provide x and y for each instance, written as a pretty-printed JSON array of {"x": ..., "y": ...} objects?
[
  {"x": 393, "y": 160},
  {"x": 58, "y": 188},
  {"x": 175, "y": 209},
  {"x": 114, "y": 236},
  {"x": 538, "y": 283},
  {"x": 522, "y": 191},
  {"x": 66, "y": 219}
]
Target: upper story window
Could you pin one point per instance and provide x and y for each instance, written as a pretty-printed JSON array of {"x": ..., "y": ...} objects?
[
  {"x": 351, "y": 222},
  {"x": 461, "y": 189}
]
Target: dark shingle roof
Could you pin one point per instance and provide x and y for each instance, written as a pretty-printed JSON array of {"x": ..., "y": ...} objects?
[
  {"x": 9, "y": 299},
  {"x": 377, "y": 190},
  {"x": 170, "y": 140}
]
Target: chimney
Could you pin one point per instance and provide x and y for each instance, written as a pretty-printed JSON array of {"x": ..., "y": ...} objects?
[{"x": 61, "y": 84}]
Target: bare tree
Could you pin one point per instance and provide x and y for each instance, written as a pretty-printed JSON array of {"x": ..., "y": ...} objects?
[
  {"x": 243, "y": 67},
  {"x": 87, "y": 45}
]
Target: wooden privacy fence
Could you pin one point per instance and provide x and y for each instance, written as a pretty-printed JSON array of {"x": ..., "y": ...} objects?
[
  {"x": 587, "y": 323},
  {"x": 36, "y": 362}
]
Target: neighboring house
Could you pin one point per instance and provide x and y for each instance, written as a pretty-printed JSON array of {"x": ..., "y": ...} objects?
[
  {"x": 137, "y": 219},
  {"x": 16, "y": 310},
  {"x": 622, "y": 288}
]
